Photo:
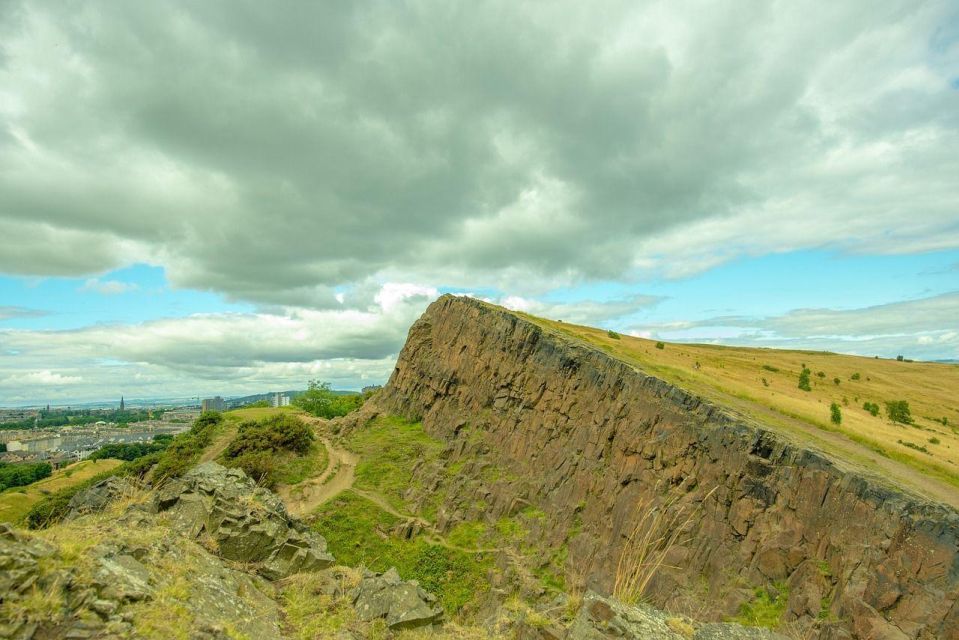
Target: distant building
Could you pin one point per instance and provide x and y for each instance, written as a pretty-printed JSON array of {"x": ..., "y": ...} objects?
[
  {"x": 279, "y": 400},
  {"x": 122, "y": 405},
  {"x": 213, "y": 404}
]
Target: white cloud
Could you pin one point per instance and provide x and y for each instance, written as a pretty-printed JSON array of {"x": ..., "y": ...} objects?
[
  {"x": 108, "y": 287},
  {"x": 44, "y": 378},
  {"x": 311, "y": 150}
]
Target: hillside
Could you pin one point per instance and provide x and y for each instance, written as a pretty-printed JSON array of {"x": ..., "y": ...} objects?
[
  {"x": 763, "y": 385},
  {"x": 603, "y": 440}
]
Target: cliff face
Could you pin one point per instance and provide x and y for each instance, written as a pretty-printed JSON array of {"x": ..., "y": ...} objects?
[{"x": 591, "y": 441}]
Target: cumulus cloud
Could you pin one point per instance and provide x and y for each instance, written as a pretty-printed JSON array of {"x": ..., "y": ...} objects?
[
  {"x": 207, "y": 353},
  {"x": 588, "y": 312},
  {"x": 279, "y": 156}
]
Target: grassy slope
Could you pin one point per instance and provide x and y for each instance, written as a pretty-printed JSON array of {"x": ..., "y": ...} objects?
[
  {"x": 733, "y": 376},
  {"x": 16, "y": 502}
]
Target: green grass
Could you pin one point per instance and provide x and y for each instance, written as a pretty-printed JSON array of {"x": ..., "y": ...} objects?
[
  {"x": 296, "y": 469},
  {"x": 389, "y": 447},
  {"x": 358, "y": 533},
  {"x": 764, "y": 610}
]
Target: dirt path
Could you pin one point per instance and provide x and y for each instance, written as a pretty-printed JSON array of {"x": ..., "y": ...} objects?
[
  {"x": 219, "y": 444},
  {"x": 338, "y": 476}
]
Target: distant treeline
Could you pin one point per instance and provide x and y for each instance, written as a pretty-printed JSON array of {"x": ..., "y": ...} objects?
[
  {"x": 63, "y": 417},
  {"x": 22, "y": 474},
  {"x": 132, "y": 450}
]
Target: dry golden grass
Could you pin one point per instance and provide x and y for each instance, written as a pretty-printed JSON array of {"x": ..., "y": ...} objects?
[
  {"x": 16, "y": 502},
  {"x": 733, "y": 377}
]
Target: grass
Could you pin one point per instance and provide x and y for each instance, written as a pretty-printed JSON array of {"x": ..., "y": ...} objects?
[
  {"x": 389, "y": 447},
  {"x": 258, "y": 413},
  {"x": 296, "y": 469},
  {"x": 15, "y": 503},
  {"x": 732, "y": 376},
  {"x": 358, "y": 534},
  {"x": 765, "y": 609}
]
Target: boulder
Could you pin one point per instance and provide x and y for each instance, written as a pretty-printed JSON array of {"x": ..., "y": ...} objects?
[
  {"x": 403, "y": 604},
  {"x": 602, "y": 618},
  {"x": 96, "y": 498},
  {"x": 246, "y": 523}
]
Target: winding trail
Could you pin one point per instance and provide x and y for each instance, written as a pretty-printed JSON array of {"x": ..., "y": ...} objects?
[{"x": 339, "y": 475}]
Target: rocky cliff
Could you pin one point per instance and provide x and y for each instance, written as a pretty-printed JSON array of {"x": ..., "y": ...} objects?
[{"x": 596, "y": 444}]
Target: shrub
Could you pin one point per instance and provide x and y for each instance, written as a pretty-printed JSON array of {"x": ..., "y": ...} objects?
[
  {"x": 185, "y": 449},
  {"x": 820, "y": 374},
  {"x": 898, "y": 411},
  {"x": 612, "y": 334},
  {"x": 871, "y": 407},
  {"x": 934, "y": 440},
  {"x": 768, "y": 367},
  {"x": 320, "y": 400},
  {"x": 128, "y": 451},
  {"x": 765, "y": 382},
  {"x": 279, "y": 432},
  {"x": 261, "y": 447},
  {"x": 899, "y": 358},
  {"x": 660, "y": 345},
  {"x": 804, "y": 379},
  {"x": 22, "y": 474},
  {"x": 835, "y": 381},
  {"x": 855, "y": 376},
  {"x": 835, "y": 414}
]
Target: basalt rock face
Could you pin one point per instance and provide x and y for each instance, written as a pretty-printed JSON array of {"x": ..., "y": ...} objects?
[{"x": 589, "y": 440}]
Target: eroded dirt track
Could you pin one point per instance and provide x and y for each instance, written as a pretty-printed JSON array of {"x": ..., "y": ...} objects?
[{"x": 339, "y": 475}]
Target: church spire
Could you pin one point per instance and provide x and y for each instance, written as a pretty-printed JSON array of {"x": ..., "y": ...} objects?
[{"x": 121, "y": 403}]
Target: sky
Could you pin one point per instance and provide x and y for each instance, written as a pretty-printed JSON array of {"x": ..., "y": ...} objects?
[{"x": 237, "y": 197}]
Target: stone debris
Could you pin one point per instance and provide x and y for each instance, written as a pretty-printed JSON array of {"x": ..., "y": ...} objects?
[
  {"x": 246, "y": 523},
  {"x": 602, "y": 618},
  {"x": 403, "y": 604}
]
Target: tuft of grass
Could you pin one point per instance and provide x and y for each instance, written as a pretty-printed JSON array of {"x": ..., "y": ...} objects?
[
  {"x": 358, "y": 533},
  {"x": 389, "y": 447},
  {"x": 765, "y": 609}
]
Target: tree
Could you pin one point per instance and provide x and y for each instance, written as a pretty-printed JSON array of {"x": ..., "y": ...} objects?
[
  {"x": 804, "y": 380},
  {"x": 898, "y": 411},
  {"x": 320, "y": 400},
  {"x": 835, "y": 414}
]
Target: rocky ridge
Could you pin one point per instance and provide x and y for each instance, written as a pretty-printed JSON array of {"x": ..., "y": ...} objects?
[{"x": 587, "y": 438}]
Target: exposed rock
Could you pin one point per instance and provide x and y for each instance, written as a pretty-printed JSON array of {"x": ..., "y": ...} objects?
[
  {"x": 404, "y": 605},
  {"x": 121, "y": 582},
  {"x": 247, "y": 523},
  {"x": 98, "y": 496},
  {"x": 603, "y": 618},
  {"x": 585, "y": 438}
]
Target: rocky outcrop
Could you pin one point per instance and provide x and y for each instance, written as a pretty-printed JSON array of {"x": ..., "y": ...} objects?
[
  {"x": 123, "y": 586},
  {"x": 97, "y": 497},
  {"x": 244, "y": 522},
  {"x": 604, "y": 618},
  {"x": 402, "y": 604},
  {"x": 587, "y": 438}
]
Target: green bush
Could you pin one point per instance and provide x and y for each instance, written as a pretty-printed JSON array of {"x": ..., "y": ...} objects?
[
  {"x": 835, "y": 381},
  {"x": 660, "y": 345},
  {"x": 320, "y": 400},
  {"x": 804, "y": 379},
  {"x": 279, "y": 432},
  {"x": 262, "y": 447},
  {"x": 835, "y": 414},
  {"x": 128, "y": 451},
  {"x": 612, "y": 334},
  {"x": 23, "y": 473},
  {"x": 769, "y": 367},
  {"x": 871, "y": 407},
  {"x": 898, "y": 411},
  {"x": 855, "y": 376},
  {"x": 186, "y": 448}
]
